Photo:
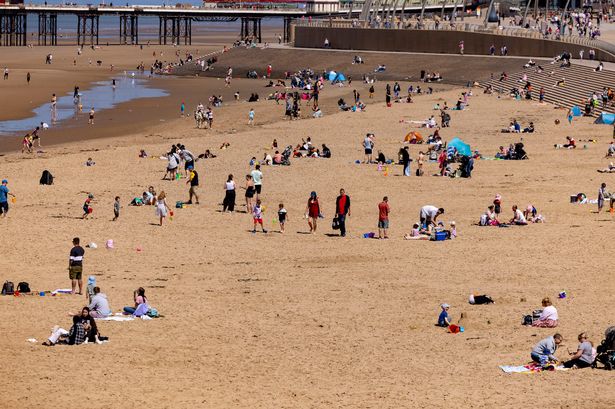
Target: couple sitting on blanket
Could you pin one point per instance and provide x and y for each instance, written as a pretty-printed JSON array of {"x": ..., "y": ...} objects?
[{"x": 544, "y": 352}]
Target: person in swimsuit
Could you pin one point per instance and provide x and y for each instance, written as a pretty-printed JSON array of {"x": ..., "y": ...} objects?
[
  {"x": 312, "y": 212},
  {"x": 249, "y": 192}
]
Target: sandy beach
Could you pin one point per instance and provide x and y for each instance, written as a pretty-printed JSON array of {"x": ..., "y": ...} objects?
[{"x": 296, "y": 320}]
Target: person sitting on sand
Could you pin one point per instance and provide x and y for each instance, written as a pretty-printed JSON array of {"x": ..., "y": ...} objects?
[
  {"x": 584, "y": 356},
  {"x": 489, "y": 218},
  {"x": 99, "y": 306},
  {"x": 416, "y": 234},
  {"x": 90, "y": 327},
  {"x": 610, "y": 150},
  {"x": 544, "y": 351},
  {"x": 518, "y": 217},
  {"x": 529, "y": 129},
  {"x": 443, "y": 318},
  {"x": 548, "y": 318},
  {"x": 75, "y": 336},
  {"x": 571, "y": 144},
  {"x": 141, "y": 306}
]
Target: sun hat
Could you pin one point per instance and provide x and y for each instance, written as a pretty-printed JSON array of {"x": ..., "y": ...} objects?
[{"x": 445, "y": 305}]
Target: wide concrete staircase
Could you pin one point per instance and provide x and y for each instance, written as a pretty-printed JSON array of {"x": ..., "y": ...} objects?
[{"x": 580, "y": 82}]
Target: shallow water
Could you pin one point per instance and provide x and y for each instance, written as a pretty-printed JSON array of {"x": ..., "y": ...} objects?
[{"x": 101, "y": 96}]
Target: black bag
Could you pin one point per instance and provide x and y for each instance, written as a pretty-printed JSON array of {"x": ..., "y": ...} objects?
[
  {"x": 46, "y": 178},
  {"x": 335, "y": 224},
  {"x": 8, "y": 288},
  {"x": 527, "y": 320},
  {"x": 23, "y": 287}
]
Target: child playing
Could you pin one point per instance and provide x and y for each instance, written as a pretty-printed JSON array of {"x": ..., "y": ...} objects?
[
  {"x": 257, "y": 213},
  {"x": 116, "y": 208},
  {"x": 416, "y": 234},
  {"x": 282, "y": 217},
  {"x": 251, "y": 117},
  {"x": 86, "y": 206},
  {"x": 453, "y": 230},
  {"x": 443, "y": 319}
]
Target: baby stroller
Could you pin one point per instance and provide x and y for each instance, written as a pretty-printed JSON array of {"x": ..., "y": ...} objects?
[
  {"x": 606, "y": 350},
  {"x": 286, "y": 156}
]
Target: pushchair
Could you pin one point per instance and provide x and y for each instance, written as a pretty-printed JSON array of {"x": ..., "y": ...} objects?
[
  {"x": 286, "y": 156},
  {"x": 606, "y": 350}
]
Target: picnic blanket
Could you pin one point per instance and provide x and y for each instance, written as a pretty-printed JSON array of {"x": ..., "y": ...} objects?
[
  {"x": 531, "y": 368},
  {"x": 117, "y": 317}
]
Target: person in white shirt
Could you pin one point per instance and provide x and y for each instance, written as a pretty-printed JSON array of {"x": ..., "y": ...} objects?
[
  {"x": 257, "y": 177},
  {"x": 429, "y": 214},
  {"x": 548, "y": 318},
  {"x": 518, "y": 218}
]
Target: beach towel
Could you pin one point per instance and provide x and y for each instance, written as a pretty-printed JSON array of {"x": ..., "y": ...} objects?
[
  {"x": 117, "y": 317},
  {"x": 531, "y": 368},
  {"x": 62, "y": 291}
]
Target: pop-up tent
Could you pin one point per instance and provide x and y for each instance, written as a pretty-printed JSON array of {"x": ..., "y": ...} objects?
[
  {"x": 605, "y": 118},
  {"x": 576, "y": 111},
  {"x": 331, "y": 76},
  {"x": 414, "y": 136},
  {"x": 340, "y": 77},
  {"x": 461, "y": 147}
]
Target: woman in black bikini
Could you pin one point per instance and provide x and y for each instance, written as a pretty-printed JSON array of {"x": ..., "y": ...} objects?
[{"x": 249, "y": 192}]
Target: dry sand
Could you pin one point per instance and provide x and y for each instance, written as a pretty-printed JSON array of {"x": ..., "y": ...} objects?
[{"x": 299, "y": 320}]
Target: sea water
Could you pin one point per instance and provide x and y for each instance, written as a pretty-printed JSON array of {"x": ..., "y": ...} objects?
[{"x": 100, "y": 96}]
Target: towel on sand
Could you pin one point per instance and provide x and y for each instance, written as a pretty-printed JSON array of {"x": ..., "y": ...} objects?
[{"x": 530, "y": 368}]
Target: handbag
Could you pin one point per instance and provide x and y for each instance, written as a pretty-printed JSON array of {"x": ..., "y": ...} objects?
[{"x": 335, "y": 224}]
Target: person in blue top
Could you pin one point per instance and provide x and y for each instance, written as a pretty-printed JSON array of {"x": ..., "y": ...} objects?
[
  {"x": 443, "y": 319},
  {"x": 4, "y": 198}
]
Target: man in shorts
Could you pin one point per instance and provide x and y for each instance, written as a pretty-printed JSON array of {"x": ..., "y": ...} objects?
[
  {"x": 368, "y": 145},
  {"x": 75, "y": 265},
  {"x": 429, "y": 214},
  {"x": 383, "y": 218},
  {"x": 4, "y": 198},
  {"x": 257, "y": 177},
  {"x": 193, "y": 181}
]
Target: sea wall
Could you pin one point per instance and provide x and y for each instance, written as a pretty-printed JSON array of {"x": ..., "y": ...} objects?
[{"x": 435, "y": 41}]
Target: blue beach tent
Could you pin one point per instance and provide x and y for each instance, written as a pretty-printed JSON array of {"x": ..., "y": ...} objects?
[
  {"x": 461, "y": 147},
  {"x": 606, "y": 119}
]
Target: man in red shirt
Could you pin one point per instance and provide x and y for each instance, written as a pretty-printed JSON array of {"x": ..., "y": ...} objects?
[
  {"x": 383, "y": 218},
  {"x": 342, "y": 209}
]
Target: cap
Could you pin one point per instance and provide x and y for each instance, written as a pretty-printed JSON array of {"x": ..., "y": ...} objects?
[
  {"x": 445, "y": 305},
  {"x": 190, "y": 167},
  {"x": 5, "y": 181}
]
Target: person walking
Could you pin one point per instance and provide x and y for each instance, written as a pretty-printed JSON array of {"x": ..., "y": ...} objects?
[
  {"x": 91, "y": 118},
  {"x": 383, "y": 218},
  {"x": 228, "y": 204},
  {"x": 193, "y": 181},
  {"x": 602, "y": 194},
  {"x": 28, "y": 77},
  {"x": 312, "y": 212},
  {"x": 6, "y": 73},
  {"x": 4, "y": 198},
  {"x": 342, "y": 210},
  {"x": 75, "y": 266},
  {"x": 405, "y": 160}
]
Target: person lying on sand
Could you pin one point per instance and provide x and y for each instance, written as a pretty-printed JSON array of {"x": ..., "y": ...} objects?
[{"x": 610, "y": 169}]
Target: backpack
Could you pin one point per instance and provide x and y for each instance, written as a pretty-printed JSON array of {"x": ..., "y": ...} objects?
[
  {"x": 23, "y": 287},
  {"x": 153, "y": 313},
  {"x": 46, "y": 178},
  {"x": 527, "y": 320},
  {"x": 8, "y": 288}
]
